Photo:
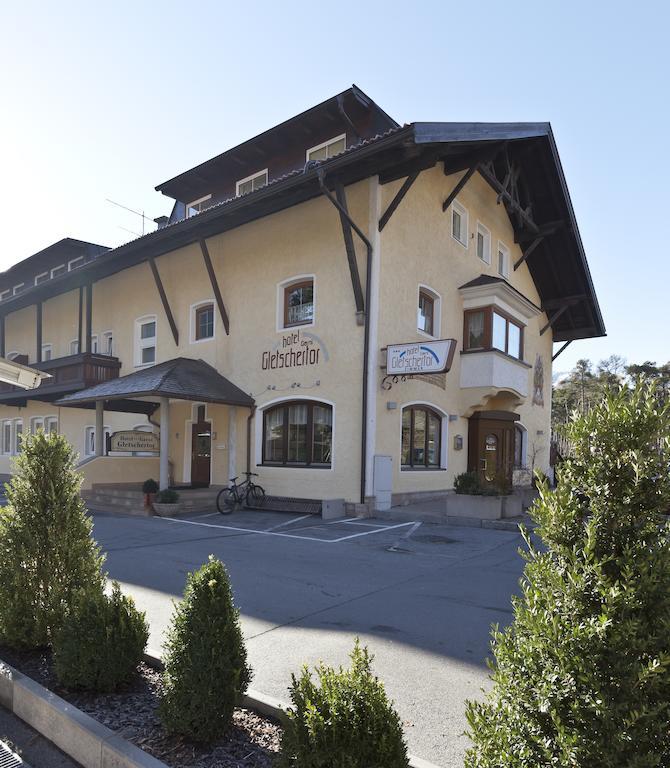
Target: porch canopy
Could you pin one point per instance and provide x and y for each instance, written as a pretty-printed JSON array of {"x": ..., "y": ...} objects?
[{"x": 146, "y": 390}]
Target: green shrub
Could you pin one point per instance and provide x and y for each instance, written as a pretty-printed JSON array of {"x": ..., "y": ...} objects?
[
  {"x": 206, "y": 669},
  {"x": 167, "y": 496},
  {"x": 582, "y": 675},
  {"x": 46, "y": 549},
  {"x": 150, "y": 486},
  {"x": 101, "y": 641},
  {"x": 467, "y": 482},
  {"x": 346, "y": 721}
]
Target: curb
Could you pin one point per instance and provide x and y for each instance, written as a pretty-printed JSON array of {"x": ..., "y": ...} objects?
[{"x": 89, "y": 742}]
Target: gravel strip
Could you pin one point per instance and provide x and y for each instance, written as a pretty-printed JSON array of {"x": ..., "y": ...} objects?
[{"x": 253, "y": 741}]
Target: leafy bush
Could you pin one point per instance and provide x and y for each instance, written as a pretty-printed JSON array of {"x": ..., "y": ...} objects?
[
  {"x": 582, "y": 676},
  {"x": 206, "y": 669},
  {"x": 150, "y": 486},
  {"x": 46, "y": 549},
  {"x": 101, "y": 641},
  {"x": 167, "y": 496},
  {"x": 467, "y": 482},
  {"x": 346, "y": 721}
]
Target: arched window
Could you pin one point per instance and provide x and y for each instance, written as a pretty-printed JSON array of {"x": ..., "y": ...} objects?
[
  {"x": 298, "y": 433},
  {"x": 421, "y": 438}
]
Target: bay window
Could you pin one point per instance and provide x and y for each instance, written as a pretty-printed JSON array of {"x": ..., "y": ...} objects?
[{"x": 298, "y": 433}]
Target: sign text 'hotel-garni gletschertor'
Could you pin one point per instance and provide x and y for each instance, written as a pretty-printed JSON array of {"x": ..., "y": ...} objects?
[{"x": 420, "y": 357}]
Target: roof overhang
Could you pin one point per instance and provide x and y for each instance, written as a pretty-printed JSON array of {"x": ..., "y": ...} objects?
[{"x": 558, "y": 265}]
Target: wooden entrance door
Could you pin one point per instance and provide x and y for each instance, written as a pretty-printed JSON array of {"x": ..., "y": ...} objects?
[
  {"x": 201, "y": 450},
  {"x": 491, "y": 446}
]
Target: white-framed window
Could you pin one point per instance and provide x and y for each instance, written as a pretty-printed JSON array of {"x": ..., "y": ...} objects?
[
  {"x": 423, "y": 437},
  {"x": 47, "y": 352},
  {"x": 61, "y": 269},
  {"x": 51, "y": 425},
  {"x": 328, "y": 148},
  {"x": 503, "y": 260},
  {"x": 202, "y": 321},
  {"x": 18, "y": 434},
  {"x": 18, "y": 288},
  {"x": 296, "y": 302},
  {"x": 5, "y": 294},
  {"x": 459, "y": 223},
  {"x": 196, "y": 206},
  {"x": 483, "y": 243},
  {"x": 107, "y": 343},
  {"x": 89, "y": 440},
  {"x": 428, "y": 312},
  {"x": 74, "y": 263},
  {"x": 36, "y": 423},
  {"x": 145, "y": 340},
  {"x": 74, "y": 347},
  {"x": 41, "y": 278},
  {"x": 252, "y": 183}
]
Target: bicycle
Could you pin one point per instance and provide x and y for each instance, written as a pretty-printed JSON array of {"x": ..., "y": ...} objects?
[{"x": 246, "y": 492}]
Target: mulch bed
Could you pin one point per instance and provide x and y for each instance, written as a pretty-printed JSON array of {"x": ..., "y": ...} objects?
[{"x": 253, "y": 741}]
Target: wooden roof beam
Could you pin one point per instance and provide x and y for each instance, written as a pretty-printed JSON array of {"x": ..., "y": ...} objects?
[
  {"x": 400, "y": 194},
  {"x": 554, "y": 317},
  {"x": 563, "y": 348},
  {"x": 510, "y": 202},
  {"x": 528, "y": 251},
  {"x": 164, "y": 301},
  {"x": 215, "y": 286}
]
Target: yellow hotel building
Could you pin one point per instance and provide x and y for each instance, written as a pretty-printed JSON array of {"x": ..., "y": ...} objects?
[{"x": 252, "y": 329}]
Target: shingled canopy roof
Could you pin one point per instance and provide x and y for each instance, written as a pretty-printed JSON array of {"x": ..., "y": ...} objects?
[{"x": 182, "y": 379}]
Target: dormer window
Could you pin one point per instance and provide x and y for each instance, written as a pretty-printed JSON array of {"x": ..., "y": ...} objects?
[
  {"x": 198, "y": 205},
  {"x": 41, "y": 278},
  {"x": 5, "y": 294},
  {"x": 18, "y": 288},
  {"x": 328, "y": 149},
  {"x": 74, "y": 263},
  {"x": 61, "y": 269},
  {"x": 252, "y": 183}
]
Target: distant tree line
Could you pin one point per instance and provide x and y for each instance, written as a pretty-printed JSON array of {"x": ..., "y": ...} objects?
[{"x": 585, "y": 386}]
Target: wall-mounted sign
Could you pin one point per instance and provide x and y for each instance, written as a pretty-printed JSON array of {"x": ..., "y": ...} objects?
[
  {"x": 295, "y": 350},
  {"x": 134, "y": 440},
  {"x": 420, "y": 357}
]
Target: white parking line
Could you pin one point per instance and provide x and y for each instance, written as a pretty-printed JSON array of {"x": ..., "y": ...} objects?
[
  {"x": 288, "y": 522},
  {"x": 272, "y": 532}
]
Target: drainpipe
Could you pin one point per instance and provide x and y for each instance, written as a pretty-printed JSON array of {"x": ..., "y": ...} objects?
[
  {"x": 366, "y": 316},
  {"x": 252, "y": 411}
]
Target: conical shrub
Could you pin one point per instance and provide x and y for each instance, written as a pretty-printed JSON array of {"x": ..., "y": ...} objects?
[
  {"x": 206, "y": 670},
  {"x": 46, "y": 549},
  {"x": 582, "y": 675}
]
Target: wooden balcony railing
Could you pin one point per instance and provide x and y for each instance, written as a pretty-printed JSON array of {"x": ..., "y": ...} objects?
[{"x": 68, "y": 374}]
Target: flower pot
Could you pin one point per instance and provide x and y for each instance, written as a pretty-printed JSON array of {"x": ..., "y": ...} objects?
[{"x": 166, "y": 510}]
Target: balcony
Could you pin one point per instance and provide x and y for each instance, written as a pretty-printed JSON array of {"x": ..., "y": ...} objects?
[
  {"x": 495, "y": 371},
  {"x": 68, "y": 374}
]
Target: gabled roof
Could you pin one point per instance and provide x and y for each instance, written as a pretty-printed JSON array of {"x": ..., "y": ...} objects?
[
  {"x": 558, "y": 264},
  {"x": 181, "y": 378}
]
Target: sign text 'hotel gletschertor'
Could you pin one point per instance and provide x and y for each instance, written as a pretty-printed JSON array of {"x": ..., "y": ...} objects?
[{"x": 420, "y": 357}]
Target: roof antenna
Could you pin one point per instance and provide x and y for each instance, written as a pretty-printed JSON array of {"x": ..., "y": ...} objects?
[{"x": 132, "y": 210}]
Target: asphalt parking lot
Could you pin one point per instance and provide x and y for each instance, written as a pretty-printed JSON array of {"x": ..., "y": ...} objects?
[{"x": 421, "y": 596}]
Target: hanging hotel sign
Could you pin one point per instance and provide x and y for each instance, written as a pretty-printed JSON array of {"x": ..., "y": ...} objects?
[
  {"x": 134, "y": 440},
  {"x": 422, "y": 357}
]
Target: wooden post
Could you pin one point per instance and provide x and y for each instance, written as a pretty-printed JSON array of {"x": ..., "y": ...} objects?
[
  {"x": 99, "y": 427},
  {"x": 38, "y": 324},
  {"x": 89, "y": 317},
  {"x": 164, "y": 480}
]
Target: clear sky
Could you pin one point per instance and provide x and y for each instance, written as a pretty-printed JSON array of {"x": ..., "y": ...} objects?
[{"x": 107, "y": 100}]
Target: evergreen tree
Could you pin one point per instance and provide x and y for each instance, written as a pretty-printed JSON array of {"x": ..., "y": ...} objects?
[
  {"x": 582, "y": 675},
  {"x": 46, "y": 549}
]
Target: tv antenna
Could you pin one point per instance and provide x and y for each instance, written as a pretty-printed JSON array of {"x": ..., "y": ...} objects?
[{"x": 132, "y": 210}]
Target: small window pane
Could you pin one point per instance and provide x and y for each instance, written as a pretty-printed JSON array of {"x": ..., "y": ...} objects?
[
  {"x": 299, "y": 304},
  {"x": 323, "y": 435},
  {"x": 204, "y": 322},
  {"x": 475, "y": 330},
  {"x": 274, "y": 435},
  {"x": 297, "y": 434},
  {"x": 433, "y": 458},
  {"x": 425, "y": 315},
  {"x": 499, "y": 332},
  {"x": 336, "y": 147},
  {"x": 514, "y": 341},
  {"x": 456, "y": 225},
  {"x": 406, "y": 435},
  {"x": 148, "y": 355},
  {"x": 480, "y": 245},
  {"x": 7, "y": 437},
  {"x": 259, "y": 181},
  {"x": 419, "y": 438},
  {"x": 148, "y": 330},
  {"x": 18, "y": 432}
]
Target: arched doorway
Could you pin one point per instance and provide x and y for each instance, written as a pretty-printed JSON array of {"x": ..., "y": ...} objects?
[{"x": 491, "y": 446}]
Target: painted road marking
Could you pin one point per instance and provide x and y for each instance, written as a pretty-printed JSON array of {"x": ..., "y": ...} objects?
[
  {"x": 286, "y": 535},
  {"x": 288, "y": 522}
]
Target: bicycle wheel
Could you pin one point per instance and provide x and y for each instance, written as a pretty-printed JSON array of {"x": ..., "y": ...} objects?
[
  {"x": 255, "y": 496},
  {"x": 226, "y": 501}
]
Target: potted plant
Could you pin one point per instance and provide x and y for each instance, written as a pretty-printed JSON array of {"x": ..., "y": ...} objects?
[
  {"x": 480, "y": 500},
  {"x": 149, "y": 489},
  {"x": 166, "y": 503}
]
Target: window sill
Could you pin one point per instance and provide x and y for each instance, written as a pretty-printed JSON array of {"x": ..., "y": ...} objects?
[
  {"x": 460, "y": 242},
  {"x": 296, "y": 466},
  {"x": 294, "y": 327},
  {"x": 422, "y": 469}
]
